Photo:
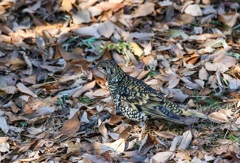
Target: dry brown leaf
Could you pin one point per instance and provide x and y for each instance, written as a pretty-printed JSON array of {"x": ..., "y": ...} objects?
[
  {"x": 216, "y": 67},
  {"x": 199, "y": 82},
  {"x": 191, "y": 103},
  {"x": 105, "y": 6},
  {"x": 4, "y": 147},
  {"x": 229, "y": 18},
  {"x": 175, "y": 142},
  {"x": 193, "y": 10},
  {"x": 225, "y": 60},
  {"x": 166, "y": 134},
  {"x": 192, "y": 59},
  {"x": 173, "y": 82},
  {"x": 203, "y": 75},
  {"x": 115, "y": 119},
  {"x": 67, "y": 5},
  {"x": 94, "y": 11},
  {"x": 101, "y": 92},
  {"x": 233, "y": 83},
  {"x": 2, "y": 10},
  {"x": 205, "y": 91},
  {"x": 106, "y": 29},
  {"x": 84, "y": 89},
  {"x": 183, "y": 156},
  {"x": 218, "y": 117},
  {"x": 88, "y": 31},
  {"x": 3, "y": 139},
  {"x": 84, "y": 117},
  {"x": 177, "y": 94},
  {"x": 74, "y": 148},
  {"x": 186, "y": 141},
  {"x": 118, "y": 146},
  {"x": 16, "y": 63},
  {"x": 68, "y": 56},
  {"x": 213, "y": 81},
  {"x": 71, "y": 126},
  {"x": 144, "y": 9},
  {"x": 87, "y": 4},
  {"x": 81, "y": 17},
  {"x": 8, "y": 90},
  {"x": 22, "y": 88},
  {"x": 35, "y": 131},
  {"x": 161, "y": 157},
  {"x": 130, "y": 153},
  {"x": 136, "y": 49},
  {"x": 189, "y": 84},
  {"x": 102, "y": 129},
  {"x": 33, "y": 8},
  {"x": 3, "y": 125}
]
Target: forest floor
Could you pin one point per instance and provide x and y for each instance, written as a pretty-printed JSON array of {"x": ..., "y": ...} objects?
[{"x": 55, "y": 108}]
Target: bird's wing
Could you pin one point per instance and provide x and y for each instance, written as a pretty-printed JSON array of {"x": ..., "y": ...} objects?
[
  {"x": 151, "y": 103},
  {"x": 156, "y": 106}
]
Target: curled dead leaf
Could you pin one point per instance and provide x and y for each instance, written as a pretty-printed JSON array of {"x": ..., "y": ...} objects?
[
  {"x": 24, "y": 89},
  {"x": 84, "y": 89},
  {"x": 186, "y": 141},
  {"x": 218, "y": 117},
  {"x": 161, "y": 157},
  {"x": 71, "y": 126}
]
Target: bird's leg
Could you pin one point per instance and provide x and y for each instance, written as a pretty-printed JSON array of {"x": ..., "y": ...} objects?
[{"x": 143, "y": 128}]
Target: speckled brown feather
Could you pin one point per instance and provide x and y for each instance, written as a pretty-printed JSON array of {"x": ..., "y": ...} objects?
[{"x": 136, "y": 100}]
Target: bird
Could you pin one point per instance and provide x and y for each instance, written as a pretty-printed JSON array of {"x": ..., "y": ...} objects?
[{"x": 138, "y": 101}]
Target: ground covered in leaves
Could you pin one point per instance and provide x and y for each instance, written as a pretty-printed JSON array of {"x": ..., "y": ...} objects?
[{"x": 55, "y": 108}]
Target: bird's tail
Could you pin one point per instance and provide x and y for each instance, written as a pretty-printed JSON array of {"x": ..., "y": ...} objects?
[{"x": 194, "y": 113}]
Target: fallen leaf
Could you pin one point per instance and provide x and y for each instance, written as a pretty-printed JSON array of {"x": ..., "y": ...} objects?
[
  {"x": 186, "y": 141},
  {"x": 71, "y": 126},
  {"x": 144, "y": 9},
  {"x": 3, "y": 125},
  {"x": 16, "y": 63},
  {"x": 84, "y": 89},
  {"x": 4, "y": 147},
  {"x": 218, "y": 117},
  {"x": 114, "y": 119},
  {"x": 166, "y": 134},
  {"x": 101, "y": 93},
  {"x": 205, "y": 91},
  {"x": 22, "y": 88},
  {"x": 118, "y": 146},
  {"x": 66, "y": 5},
  {"x": 193, "y": 10},
  {"x": 233, "y": 84},
  {"x": 136, "y": 49},
  {"x": 229, "y": 18},
  {"x": 105, "y": 6},
  {"x": 161, "y": 157},
  {"x": 84, "y": 117},
  {"x": 102, "y": 129},
  {"x": 8, "y": 90},
  {"x": 81, "y": 17},
  {"x": 106, "y": 29},
  {"x": 3, "y": 139},
  {"x": 203, "y": 75},
  {"x": 88, "y": 31},
  {"x": 175, "y": 142},
  {"x": 43, "y": 110}
]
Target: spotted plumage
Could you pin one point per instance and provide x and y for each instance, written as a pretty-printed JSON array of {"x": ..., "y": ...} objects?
[{"x": 137, "y": 101}]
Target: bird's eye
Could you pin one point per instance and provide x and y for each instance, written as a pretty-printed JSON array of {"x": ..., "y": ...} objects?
[{"x": 104, "y": 68}]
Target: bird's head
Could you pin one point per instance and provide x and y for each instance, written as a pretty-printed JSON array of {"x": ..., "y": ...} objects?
[{"x": 109, "y": 68}]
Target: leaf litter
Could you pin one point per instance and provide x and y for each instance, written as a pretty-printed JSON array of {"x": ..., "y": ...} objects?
[{"x": 53, "y": 103}]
